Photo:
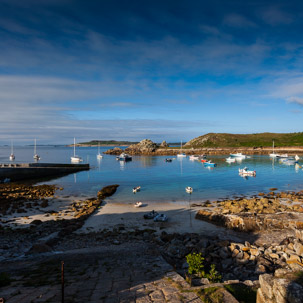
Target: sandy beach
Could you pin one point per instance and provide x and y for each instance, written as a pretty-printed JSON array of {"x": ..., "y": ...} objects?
[{"x": 181, "y": 218}]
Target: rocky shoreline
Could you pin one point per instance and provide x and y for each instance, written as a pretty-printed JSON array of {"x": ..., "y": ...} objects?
[
  {"x": 149, "y": 148},
  {"x": 266, "y": 255}
]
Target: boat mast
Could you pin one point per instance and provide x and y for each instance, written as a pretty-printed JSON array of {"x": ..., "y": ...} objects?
[
  {"x": 74, "y": 147},
  {"x": 35, "y": 147},
  {"x": 12, "y": 147}
]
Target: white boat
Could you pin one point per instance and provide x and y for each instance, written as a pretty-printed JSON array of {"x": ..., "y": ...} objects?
[
  {"x": 273, "y": 154},
  {"x": 12, "y": 156},
  {"x": 230, "y": 160},
  {"x": 124, "y": 157},
  {"x": 245, "y": 172},
  {"x": 138, "y": 204},
  {"x": 181, "y": 155},
  {"x": 189, "y": 189},
  {"x": 75, "y": 158},
  {"x": 297, "y": 158},
  {"x": 283, "y": 156},
  {"x": 36, "y": 156},
  {"x": 194, "y": 157},
  {"x": 238, "y": 155},
  {"x": 137, "y": 188},
  {"x": 99, "y": 156}
]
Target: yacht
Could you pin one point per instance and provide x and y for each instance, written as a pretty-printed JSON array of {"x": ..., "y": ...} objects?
[
  {"x": 181, "y": 155},
  {"x": 12, "y": 156},
  {"x": 36, "y": 156},
  {"x": 75, "y": 158},
  {"x": 99, "y": 156}
]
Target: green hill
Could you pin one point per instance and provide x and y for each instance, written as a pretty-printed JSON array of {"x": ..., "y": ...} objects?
[
  {"x": 108, "y": 142},
  {"x": 247, "y": 140}
]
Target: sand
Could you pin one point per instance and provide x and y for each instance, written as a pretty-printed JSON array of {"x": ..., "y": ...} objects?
[{"x": 181, "y": 218}]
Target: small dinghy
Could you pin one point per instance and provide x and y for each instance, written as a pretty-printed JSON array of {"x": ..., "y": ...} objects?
[
  {"x": 209, "y": 163},
  {"x": 245, "y": 172},
  {"x": 161, "y": 218},
  {"x": 230, "y": 160},
  {"x": 168, "y": 160},
  {"x": 138, "y": 204},
  {"x": 189, "y": 189},
  {"x": 135, "y": 189},
  {"x": 151, "y": 215}
]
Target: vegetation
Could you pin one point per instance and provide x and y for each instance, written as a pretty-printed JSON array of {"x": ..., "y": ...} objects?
[
  {"x": 108, "y": 142},
  {"x": 211, "y": 295},
  {"x": 243, "y": 293},
  {"x": 246, "y": 140},
  {"x": 196, "y": 267}
]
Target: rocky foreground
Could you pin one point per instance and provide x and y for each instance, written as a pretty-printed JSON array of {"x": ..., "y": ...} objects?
[{"x": 148, "y": 266}]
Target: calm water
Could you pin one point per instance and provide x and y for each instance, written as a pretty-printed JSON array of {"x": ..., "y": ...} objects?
[{"x": 160, "y": 180}]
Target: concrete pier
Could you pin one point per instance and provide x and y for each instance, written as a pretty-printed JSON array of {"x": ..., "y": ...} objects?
[{"x": 26, "y": 171}]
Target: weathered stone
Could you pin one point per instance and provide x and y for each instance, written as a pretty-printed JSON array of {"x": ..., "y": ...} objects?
[
  {"x": 266, "y": 283},
  {"x": 298, "y": 247}
]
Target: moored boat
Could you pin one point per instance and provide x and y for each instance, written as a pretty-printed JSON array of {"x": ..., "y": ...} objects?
[
  {"x": 238, "y": 155},
  {"x": 245, "y": 172},
  {"x": 209, "y": 163},
  {"x": 137, "y": 188},
  {"x": 230, "y": 159},
  {"x": 124, "y": 157},
  {"x": 138, "y": 204},
  {"x": 189, "y": 189},
  {"x": 75, "y": 158}
]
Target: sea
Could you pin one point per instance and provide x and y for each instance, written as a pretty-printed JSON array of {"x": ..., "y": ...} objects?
[{"x": 163, "y": 181}]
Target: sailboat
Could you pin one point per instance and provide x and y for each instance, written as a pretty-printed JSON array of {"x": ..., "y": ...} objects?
[
  {"x": 36, "y": 156},
  {"x": 12, "y": 156},
  {"x": 99, "y": 156},
  {"x": 181, "y": 155},
  {"x": 75, "y": 158},
  {"x": 273, "y": 154}
]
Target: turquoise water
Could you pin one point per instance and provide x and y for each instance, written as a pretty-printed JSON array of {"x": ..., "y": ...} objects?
[{"x": 163, "y": 181}]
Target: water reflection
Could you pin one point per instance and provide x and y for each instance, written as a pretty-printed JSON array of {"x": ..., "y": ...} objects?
[
  {"x": 122, "y": 165},
  {"x": 147, "y": 161}
]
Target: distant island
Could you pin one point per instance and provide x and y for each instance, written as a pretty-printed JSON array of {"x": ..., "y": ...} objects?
[{"x": 106, "y": 143}]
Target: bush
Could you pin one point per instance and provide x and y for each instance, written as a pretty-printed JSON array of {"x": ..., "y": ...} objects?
[
  {"x": 213, "y": 276},
  {"x": 195, "y": 264},
  {"x": 196, "y": 267}
]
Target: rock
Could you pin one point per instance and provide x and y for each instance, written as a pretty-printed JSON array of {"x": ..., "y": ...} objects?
[
  {"x": 298, "y": 247},
  {"x": 205, "y": 281},
  {"x": 294, "y": 293},
  {"x": 260, "y": 269},
  {"x": 266, "y": 283},
  {"x": 144, "y": 146},
  {"x": 163, "y": 144},
  {"x": 40, "y": 248},
  {"x": 36, "y": 222}
]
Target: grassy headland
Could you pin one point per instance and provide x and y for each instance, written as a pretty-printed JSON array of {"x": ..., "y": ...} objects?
[
  {"x": 106, "y": 143},
  {"x": 213, "y": 140}
]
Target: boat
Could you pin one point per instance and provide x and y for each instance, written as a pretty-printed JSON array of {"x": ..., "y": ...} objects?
[
  {"x": 12, "y": 156},
  {"x": 209, "y": 163},
  {"x": 238, "y": 155},
  {"x": 36, "y": 156},
  {"x": 168, "y": 160},
  {"x": 75, "y": 158},
  {"x": 137, "y": 188},
  {"x": 273, "y": 154},
  {"x": 189, "y": 189},
  {"x": 194, "y": 157},
  {"x": 297, "y": 158},
  {"x": 245, "y": 172},
  {"x": 181, "y": 155},
  {"x": 138, "y": 204},
  {"x": 204, "y": 160},
  {"x": 150, "y": 215},
  {"x": 230, "y": 160},
  {"x": 99, "y": 156},
  {"x": 160, "y": 218},
  {"x": 124, "y": 157},
  {"x": 283, "y": 156}
]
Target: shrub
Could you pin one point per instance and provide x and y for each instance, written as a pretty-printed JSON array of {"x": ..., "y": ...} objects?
[
  {"x": 195, "y": 264},
  {"x": 213, "y": 275}
]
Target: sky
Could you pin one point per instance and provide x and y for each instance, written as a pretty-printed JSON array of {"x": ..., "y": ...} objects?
[{"x": 162, "y": 69}]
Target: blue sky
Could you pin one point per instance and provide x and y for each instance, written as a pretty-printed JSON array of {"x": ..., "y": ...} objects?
[{"x": 164, "y": 70}]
